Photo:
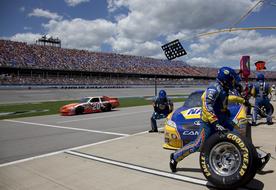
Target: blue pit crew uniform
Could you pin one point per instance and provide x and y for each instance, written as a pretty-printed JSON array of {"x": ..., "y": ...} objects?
[
  {"x": 260, "y": 92},
  {"x": 214, "y": 111},
  {"x": 162, "y": 108}
]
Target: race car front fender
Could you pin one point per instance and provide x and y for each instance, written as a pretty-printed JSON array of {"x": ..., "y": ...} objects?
[{"x": 172, "y": 138}]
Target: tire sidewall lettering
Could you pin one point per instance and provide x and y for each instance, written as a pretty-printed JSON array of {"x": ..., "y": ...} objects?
[
  {"x": 204, "y": 166},
  {"x": 245, "y": 153}
]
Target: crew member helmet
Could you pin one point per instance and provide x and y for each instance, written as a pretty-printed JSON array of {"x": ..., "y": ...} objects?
[
  {"x": 162, "y": 94},
  {"x": 228, "y": 77}
]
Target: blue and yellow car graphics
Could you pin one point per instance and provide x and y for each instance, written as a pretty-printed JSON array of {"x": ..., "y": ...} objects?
[{"x": 182, "y": 125}]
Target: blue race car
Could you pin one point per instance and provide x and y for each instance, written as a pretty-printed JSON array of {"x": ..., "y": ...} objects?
[{"x": 182, "y": 125}]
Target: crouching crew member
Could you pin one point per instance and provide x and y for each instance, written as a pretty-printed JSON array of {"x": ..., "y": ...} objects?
[{"x": 162, "y": 107}]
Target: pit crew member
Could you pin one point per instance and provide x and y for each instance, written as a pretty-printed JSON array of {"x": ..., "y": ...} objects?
[
  {"x": 162, "y": 107},
  {"x": 214, "y": 113},
  {"x": 260, "y": 92}
]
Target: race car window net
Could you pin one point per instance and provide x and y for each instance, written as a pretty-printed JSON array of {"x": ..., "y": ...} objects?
[{"x": 173, "y": 50}]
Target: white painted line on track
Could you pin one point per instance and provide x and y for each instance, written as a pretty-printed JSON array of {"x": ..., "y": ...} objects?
[
  {"x": 68, "y": 128},
  {"x": 102, "y": 117},
  {"x": 59, "y": 152},
  {"x": 152, "y": 171},
  {"x": 140, "y": 168},
  {"x": 64, "y": 150}
]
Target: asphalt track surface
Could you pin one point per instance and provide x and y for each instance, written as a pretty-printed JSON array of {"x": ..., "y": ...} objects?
[
  {"x": 38, "y": 95},
  {"x": 109, "y": 150},
  {"x": 27, "y": 137}
]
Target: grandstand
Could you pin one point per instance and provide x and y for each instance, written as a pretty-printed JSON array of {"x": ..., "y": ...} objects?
[{"x": 34, "y": 64}]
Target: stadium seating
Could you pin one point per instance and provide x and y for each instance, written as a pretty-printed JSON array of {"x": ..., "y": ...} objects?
[{"x": 21, "y": 55}]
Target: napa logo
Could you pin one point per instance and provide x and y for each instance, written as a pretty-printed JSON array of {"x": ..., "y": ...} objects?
[{"x": 192, "y": 113}]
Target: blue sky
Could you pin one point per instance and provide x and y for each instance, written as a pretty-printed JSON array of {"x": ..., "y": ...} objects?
[{"x": 140, "y": 27}]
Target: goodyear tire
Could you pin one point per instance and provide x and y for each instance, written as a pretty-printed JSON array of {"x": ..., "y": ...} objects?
[
  {"x": 227, "y": 160},
  {"x": 263, "y": 111},
  {"x": 79, "y": 110}
]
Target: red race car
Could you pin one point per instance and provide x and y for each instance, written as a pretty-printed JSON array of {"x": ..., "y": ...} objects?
[{"x": 90, "y": 105}]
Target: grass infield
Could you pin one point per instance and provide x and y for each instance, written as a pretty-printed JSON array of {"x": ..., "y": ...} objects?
[{"x": 9, "y": 111}]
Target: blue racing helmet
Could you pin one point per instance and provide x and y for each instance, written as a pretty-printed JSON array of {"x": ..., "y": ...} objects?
[
  {"x": 162, "y": 94},
  {"x": 228, "y": 77},
  {"x": 260, "y": 77}
]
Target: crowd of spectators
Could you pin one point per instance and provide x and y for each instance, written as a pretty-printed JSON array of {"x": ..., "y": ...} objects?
[
  {"x": 6, "y": 79},
  {"x": 21, "y": 55}
]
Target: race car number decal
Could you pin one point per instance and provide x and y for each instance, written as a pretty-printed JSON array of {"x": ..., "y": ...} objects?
[
  {"x": 96, "y": 106},
  {"x": 192, "y": 113}
]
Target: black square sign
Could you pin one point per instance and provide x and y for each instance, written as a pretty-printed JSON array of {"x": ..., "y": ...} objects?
[{"x": 173, "y": 49}]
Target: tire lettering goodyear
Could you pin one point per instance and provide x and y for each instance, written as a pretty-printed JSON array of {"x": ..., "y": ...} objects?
[{"x": 245, "y": 159}]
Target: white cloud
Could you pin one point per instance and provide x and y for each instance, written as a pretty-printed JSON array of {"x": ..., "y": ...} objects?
[
  {"x": 184, "y": 34},
  {"x": 227, "y": 49},
  {"x": 45, "y": 14},
  {"x": 132, "y": 47},
  {"x": 80, "y": 33},
  {"x": 247, "y": 43},
  {"x": 112, "y": 5},
  {"x": 199, "y": 48},
  {"x": 199, "y": 61},
  {"x": 148, "y": 48},
  {"x": 120, "y": 17},
  {"x": 121, "y": 44},
  {"x": 29, "y": 38},
  {"x": 73, "y": 3},
  {"x": 148, "y": 19}
]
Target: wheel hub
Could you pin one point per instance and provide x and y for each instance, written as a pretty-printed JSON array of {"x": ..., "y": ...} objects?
[{"x": 225, "y": 159}]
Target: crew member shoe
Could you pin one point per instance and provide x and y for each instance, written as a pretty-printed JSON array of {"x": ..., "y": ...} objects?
[
  {"x": 264, "y": 161},
  {"x": 270, "y": 122},
  {"x": 254, "y": 124},
  {"x": 173, "y": 163},
  {"x": 153, "y": 131}
]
